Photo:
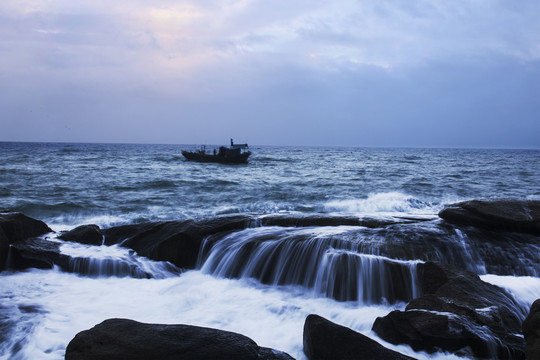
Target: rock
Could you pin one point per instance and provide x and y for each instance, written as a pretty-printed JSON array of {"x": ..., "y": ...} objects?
[
  {"x": 17, "y": 226},
  {"x": 178, "y": 242},
  {"x": 85, "y": 234},
  {"x": 473, "y": 249},
  {"x": 459, "y": 313},
  {"x": 301, "y": 220},
  {"x": 531, "y": 331},
  {"x": 513, "y": 215},
  {"x": 43, "y": 254},
  {"x": 14, "y": 227},
  {"x": 4, "y": 249},
  {"x": 324, "y": 339},
  {"x": 128, "y": 339},
  {"x": 36, "y": 253}
]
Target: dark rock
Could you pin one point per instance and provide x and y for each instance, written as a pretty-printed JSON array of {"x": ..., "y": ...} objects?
[
  {"x": 43, "y": 254},
  {"x": 324, "y": 339},
  {"x": 430, "y": 331},
  {"x": 459, "y": 313},
  {"x": 14, "y": 227},
  {"x": 4, "y": 249},
  {"x": 17, "y": 226},
  {"x": 514, "y": 215},
  {"x": 36, "y": 253},
  {"x": 303, "y": 220},
  {"x": 175, "y": 241},
  {"x": 85, "y": 234},
  {"x": 470, "y": 248},
  {"x": 531, "y": 331},
  {"x": 128, "y": 339},
  {"x": 300, "y": 220}
]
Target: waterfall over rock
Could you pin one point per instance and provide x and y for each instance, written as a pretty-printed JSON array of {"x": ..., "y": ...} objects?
[{"x": 313, "y": 258}]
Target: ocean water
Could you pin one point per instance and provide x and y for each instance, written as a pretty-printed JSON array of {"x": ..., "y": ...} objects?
[{"x": 67, "y": 185}]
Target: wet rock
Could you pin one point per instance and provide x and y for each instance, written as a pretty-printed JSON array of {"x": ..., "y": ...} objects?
[
  {"x": 178, "y": 242},
  {"x": 324, "y": 339},
  {"x": 474, "y": 249},
  {"x": 85, "y": 234},
  {"x": 303, "y": 220},
  {"x": 15, "y": 227},
  {"x": 515, "y": 215},
  {"x": 128, "y": 339},
  {"x": 458, "y": 313},
  {"x": 531, "y": 331},
  {"x": 4, "y": 249},
  {"x": 300, "y": 220},
  {"x": 43, "y": 254},
  {"x": 327, "y": 264},
  {"x": 36, "y": 253}
]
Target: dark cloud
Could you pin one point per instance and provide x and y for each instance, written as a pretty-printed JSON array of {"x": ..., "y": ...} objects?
[{"x": 373, "y": 73}]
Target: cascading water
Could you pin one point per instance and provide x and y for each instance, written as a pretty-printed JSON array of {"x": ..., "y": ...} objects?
[
  {"x": 346, "y": 275},
  {"x": 313, "y": 258},
  {"x": 106, "y": 261}
]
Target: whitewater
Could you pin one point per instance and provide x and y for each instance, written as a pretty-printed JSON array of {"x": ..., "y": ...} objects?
[{"x": 67, "y": 185}]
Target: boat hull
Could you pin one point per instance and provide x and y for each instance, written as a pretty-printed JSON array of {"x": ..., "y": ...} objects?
[{"x": 223, "y": 158}]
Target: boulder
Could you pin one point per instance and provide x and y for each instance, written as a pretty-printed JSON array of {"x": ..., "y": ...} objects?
[
  {"x": 17, "y": 226},
  {"x": 85, "y": 234},
  {"x": 324, "y": 339},
  {"x": 14, "y": 227},
  {"x": 458, "y": 313},
  {"x": 531, "y": 332},
  {"x": 178, "y": 242},
  {"x": 515, "y": 215},
  {"x": 128, "y": 339}
]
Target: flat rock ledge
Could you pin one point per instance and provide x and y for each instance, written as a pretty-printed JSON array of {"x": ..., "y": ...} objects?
[
  {"x": 121, "y": 339},
  {"x": 514, "y": 215},
  {"x": 324, "y": 340}
]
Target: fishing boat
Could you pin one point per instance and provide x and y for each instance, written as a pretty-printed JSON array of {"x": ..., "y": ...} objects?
[{"x": 234, "y": 154}]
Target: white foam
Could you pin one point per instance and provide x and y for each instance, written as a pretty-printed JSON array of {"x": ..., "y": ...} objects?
[
  {"x": 389, "y": 202},
  {"x": 273, "y": 317},
  {"x": 525, "y": 289}
]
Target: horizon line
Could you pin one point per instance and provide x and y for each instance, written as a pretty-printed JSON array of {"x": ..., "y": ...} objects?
[{"x": 269, "y": 145}]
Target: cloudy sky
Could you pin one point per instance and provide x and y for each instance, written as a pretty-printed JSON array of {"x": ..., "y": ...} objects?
[{"x": 421, "y": 73}]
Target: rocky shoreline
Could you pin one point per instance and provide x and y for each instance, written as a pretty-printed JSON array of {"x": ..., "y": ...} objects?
[{"x": 455, "y": 311}]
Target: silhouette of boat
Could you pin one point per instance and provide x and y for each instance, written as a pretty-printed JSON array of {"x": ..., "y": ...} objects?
[{"x": 235, "y": 154}]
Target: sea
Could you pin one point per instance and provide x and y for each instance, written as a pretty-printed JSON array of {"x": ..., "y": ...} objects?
[{"x": 72, "y": 184}]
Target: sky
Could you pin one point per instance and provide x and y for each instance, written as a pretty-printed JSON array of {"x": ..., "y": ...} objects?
[{"x": 412, "y": 73}]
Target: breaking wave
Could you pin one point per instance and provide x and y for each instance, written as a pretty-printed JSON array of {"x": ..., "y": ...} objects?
[{"x": 390, "y": 202}]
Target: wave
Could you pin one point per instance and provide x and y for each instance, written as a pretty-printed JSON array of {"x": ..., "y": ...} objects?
[
  {"x": 389, "y": 202},
  {"x": 5, "y": 192},
  {"x": 259, "y": 207},
  {"x": 271, "y": 159},
  {"x": 159, "y": 184},
  {"x": 58, "y": 208}
]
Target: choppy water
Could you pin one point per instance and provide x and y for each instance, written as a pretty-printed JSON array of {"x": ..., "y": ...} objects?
[
  {"x": 107, "y": 184},
  {"x": 72, "y": 184}
]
